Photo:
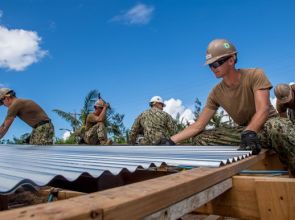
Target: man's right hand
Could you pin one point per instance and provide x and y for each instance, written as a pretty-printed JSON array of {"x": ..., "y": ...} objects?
[{"x": 166, "y": 141}]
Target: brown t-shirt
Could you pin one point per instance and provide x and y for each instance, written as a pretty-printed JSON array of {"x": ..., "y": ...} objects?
[
  {"x": 91, "y": 120},
  {"x": 239, "y": 102},
  {"x": 283, "y": 107},
  {"x": 27, "y": 110}
]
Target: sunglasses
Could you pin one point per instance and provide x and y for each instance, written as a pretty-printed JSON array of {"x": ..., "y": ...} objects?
[
  {"x": 219, "y": 62},
  {"x": 1, "y": 100}
]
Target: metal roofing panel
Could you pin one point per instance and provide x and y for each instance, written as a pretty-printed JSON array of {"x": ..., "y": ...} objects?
[{"x": 38, "y": 165}]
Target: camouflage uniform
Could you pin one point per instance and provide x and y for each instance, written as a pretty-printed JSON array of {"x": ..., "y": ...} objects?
[
  {"x": 153, "y": 124},
  {"x": 291, "y": 115},
  {"x": 96, "y": 135},
  {"x": 277, "y": 133},
  {"x": 42, "y": 135}
]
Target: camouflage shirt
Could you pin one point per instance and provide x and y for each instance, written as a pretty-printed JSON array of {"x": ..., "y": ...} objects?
[{"x": 153, "y": 124}]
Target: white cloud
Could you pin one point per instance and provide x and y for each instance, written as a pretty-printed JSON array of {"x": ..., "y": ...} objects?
[
  {"x": 174, "y": 107},
  {"x": 273, "y": 102},
  {"x": 138, "y": 15},
  {"x": 19, "y": 48},
  {"x": 66, "y": 135}
]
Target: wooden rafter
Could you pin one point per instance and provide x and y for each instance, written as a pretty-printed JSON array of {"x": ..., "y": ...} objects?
[{"x": 253, "y": 197}]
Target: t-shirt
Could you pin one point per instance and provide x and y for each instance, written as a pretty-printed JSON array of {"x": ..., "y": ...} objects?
[
  {"x": 283, "y": 107},
  {"x": 91, "y": 120},
  {"x": 27, "y": 110},
  {"x": 239, "y": 102}
]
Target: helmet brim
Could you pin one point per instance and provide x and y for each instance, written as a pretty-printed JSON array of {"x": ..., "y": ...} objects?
[
  {"x": 286, "y": 99},
  {"x": 214, "y": 59},
  {"x": 152, "y": 103}
]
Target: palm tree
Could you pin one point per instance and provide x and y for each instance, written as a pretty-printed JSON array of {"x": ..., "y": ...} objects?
[
  {"x": 114, "y": 121},
  {"x": 89, "y": 101},
  {"x": 197, "y": 109},
  {"x": 75, "y": 121}
]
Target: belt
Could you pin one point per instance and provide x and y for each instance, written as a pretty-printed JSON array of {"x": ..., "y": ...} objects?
[{"x": 41, "y": 123}]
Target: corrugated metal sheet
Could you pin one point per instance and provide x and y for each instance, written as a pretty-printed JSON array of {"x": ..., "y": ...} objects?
[{"x": 38, "y": 165}]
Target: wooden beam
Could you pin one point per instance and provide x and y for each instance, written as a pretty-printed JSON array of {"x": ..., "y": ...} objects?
[
  {"x": 136, "y": 200},
  {"x": 242, "y": 200},
  {"x": 62, "y": 194},
  {"x": 238, "y": 202},
  {"x": 276, "y": 198},
  {"x": 3, "y": 202},
  {"x": 270, "y": 162},
  {"x": 189, "y": 204}
]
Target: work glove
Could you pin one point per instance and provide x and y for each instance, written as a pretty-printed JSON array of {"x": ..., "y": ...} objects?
[
  {"x": 166, "y": 141},
  {"x": 250, "y": 141}
]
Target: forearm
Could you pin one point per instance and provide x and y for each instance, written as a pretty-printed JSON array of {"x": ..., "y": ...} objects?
[
  {"x": 262, "y": 105},
  {"x": 258, "y": 121},
  {"x": 3, "y": 130},
  {"x": 102, "y": 115},
  {"x": 190, "y": 131},
  {"x": 196, "y": 127}
]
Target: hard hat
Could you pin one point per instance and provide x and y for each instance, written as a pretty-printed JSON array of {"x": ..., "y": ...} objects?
[
  {"x": 219, "y": 48},
  {"x": 4, "y": 92},
  {"x": 157, "y": 99},
  {"x": 284, "y": 93},
  {"x": 99, "y": 103}
]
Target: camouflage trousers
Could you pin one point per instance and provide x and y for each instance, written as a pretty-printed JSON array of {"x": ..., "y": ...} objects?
[
  {"x": 42, "y": 135},
  {"x": 96, "y": 135},
  {"x": 151, "y": 139},
  {"x": 277, "y": 133},
  {"x": 291, "y": 115}
]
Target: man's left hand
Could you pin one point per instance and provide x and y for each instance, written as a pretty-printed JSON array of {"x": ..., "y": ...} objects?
[{"x": 250, "y": 141}]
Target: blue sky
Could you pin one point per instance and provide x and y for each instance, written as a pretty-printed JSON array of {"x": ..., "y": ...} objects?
[{"x": 133, "y": 50}]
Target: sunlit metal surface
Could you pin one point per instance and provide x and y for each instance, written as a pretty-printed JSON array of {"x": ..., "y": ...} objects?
[{"x": 38, "y": 165}]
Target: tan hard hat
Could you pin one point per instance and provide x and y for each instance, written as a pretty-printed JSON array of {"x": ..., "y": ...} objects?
[
  {"x": 4, "y": 91},
  {"x": 219, "y": 48},
  {"x": 284, "y": 93},
  {"x": 99, "y": 103}
]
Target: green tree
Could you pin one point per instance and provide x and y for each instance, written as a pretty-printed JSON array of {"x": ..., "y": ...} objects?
[
  {"x": 23, "y": 139},
  {"x": 197, "y": 109},
  {"x": 114, "y": 121},
  {"x": 222, "y": 119}
]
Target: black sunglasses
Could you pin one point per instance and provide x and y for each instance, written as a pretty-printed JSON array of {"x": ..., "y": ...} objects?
[
  {"x": 1, "y": 101},
  {"x": 219, "y": 62}
]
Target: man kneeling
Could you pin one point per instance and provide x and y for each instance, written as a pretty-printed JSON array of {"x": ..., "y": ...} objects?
[{"x": 95, "y": 131}]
